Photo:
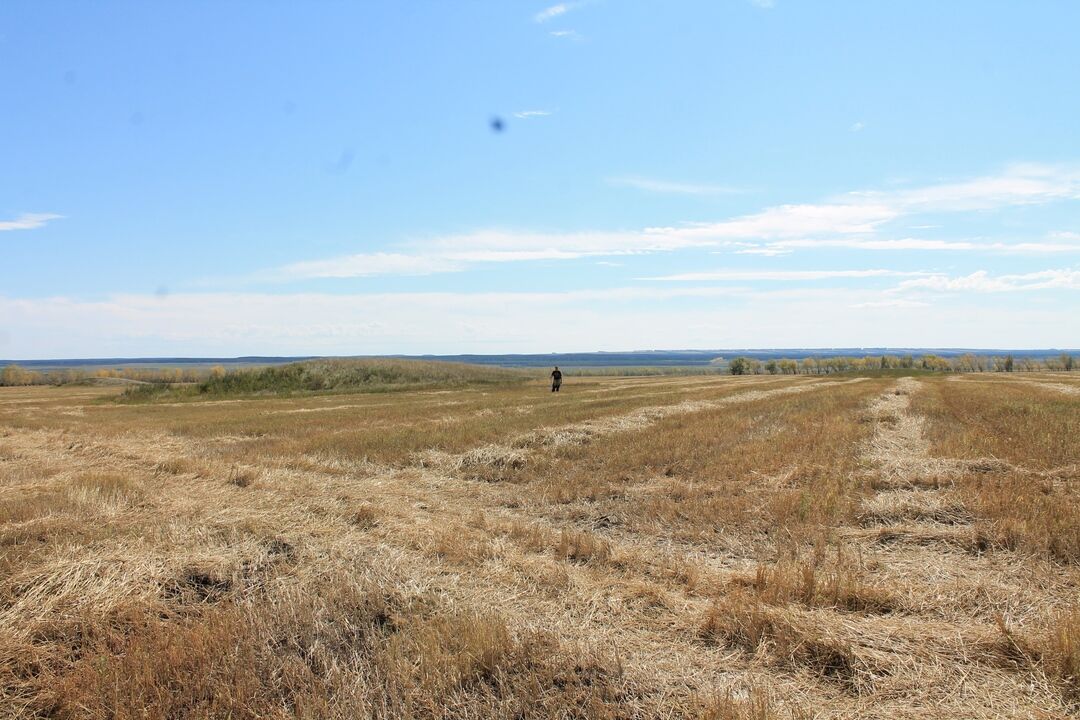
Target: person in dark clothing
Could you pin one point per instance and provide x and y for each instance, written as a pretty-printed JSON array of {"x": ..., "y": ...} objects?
[{"x": 556, "y": 379}]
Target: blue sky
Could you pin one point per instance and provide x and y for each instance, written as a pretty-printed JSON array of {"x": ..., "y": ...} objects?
[{"x": 323, "y": 178}]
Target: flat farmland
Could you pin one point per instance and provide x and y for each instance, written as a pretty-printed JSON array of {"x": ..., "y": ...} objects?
[{"x": 663, "y": 547}]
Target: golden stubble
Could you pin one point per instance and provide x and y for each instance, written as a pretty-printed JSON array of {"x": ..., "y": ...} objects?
[{"x": 756, "y": 547}]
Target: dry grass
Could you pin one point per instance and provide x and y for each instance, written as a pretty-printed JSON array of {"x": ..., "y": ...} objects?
[
  {"x": 303, "y": 653},
  {"x": 746, "y": 623},
  {"x": 769, "y": 467},
  {"x": 839, "y": 583},
  {"x": 1060, "y": 652},
  {"x": 1022, "y": 481},
  {"x": 691, "y": 547},
  {"x": 582, "y": 547}
]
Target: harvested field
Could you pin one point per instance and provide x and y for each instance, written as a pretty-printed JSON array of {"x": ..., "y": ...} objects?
[{"x": 702, "y": 547}]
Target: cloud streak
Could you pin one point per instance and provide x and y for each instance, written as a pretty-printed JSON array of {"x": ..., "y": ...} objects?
[
  {"x": 28, "y": 221},
  {"x": 983, "y": 282},
  {"x": 367, "y": 265},
  {"x": 782, "y": 247},
  {"x": 552, "y": 12},
  {"x": 784, "y": 275},
  {"x": 529, "y": 114}
]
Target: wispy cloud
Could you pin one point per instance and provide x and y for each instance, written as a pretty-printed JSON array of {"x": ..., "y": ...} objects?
[
  {"x": 666, "y": 186},
  {"x": 855, "y": 220},
  {"x": 28, "y": 221},
  {"x": 552, "y": 12},
  {"x": 454, "y": 253},
  {"x": 565, "y": 33},
  {"x": 784, "y": 275},
  {"x": 764, "y": 4},
  {"x": 1025, "y": 184},
  {"x": 983, "y": 282},
  {"x": 528, "y": 114},
  {"x": 857, "y": 126},
  {"x": 862, "y": 213},
  {"x": 366, "y": 265},
  {"x": 785, "y": 221},
  {"x": 781, "y": 247},
  {"x": 1066, "y": 235}
]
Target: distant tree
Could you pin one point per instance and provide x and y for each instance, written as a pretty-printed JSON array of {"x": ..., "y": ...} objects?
[
  {"x": 1029, "y": 364},
  {"x": 935, "y": 363},
  {"x": 739, "y": 366},
  {"x": 772, "y": 367},
  {"x": 1008, "y": 363},
  {"x": 13, "y": 375},
  {"x": 16, "y": 375},
  {"x": 966, "y": 363},
  {"x": 1067, "y": 362}
]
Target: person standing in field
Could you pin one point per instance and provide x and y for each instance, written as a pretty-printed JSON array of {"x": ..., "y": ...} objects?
[{"x": 556, "y": 379}]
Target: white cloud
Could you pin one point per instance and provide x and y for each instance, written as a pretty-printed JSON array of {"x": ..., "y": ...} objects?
[
  {"x": 496, "y": 245},
  {"x": 664, "y": 186},
  {"x": 454, "y": 253},
  {"x": 982, "y": 282},
  {"x": 527, "y": 114},
  {"x": 550, "y": 13},
  {"x": 1030, "y": 248},
  {"x": 857, "y": 127},
  {"x": 858, "y": 243},
  {"x": 784, "y": 275},
  {"x": 1025, "y": 184},
  {"x": 850, "y": 221},
  {"x": 564, "y": 33},
  {"x": 28, "y": 221},
  {"x": 366, "y": 265},
  {"x": 793, "y": 221},
  {"x": 862, "y": 213}
]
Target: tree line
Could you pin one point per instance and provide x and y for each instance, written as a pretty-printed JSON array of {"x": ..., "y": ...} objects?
[
  {"x": 15, "y": 375},
  {"x": 966, "y": 363}
]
